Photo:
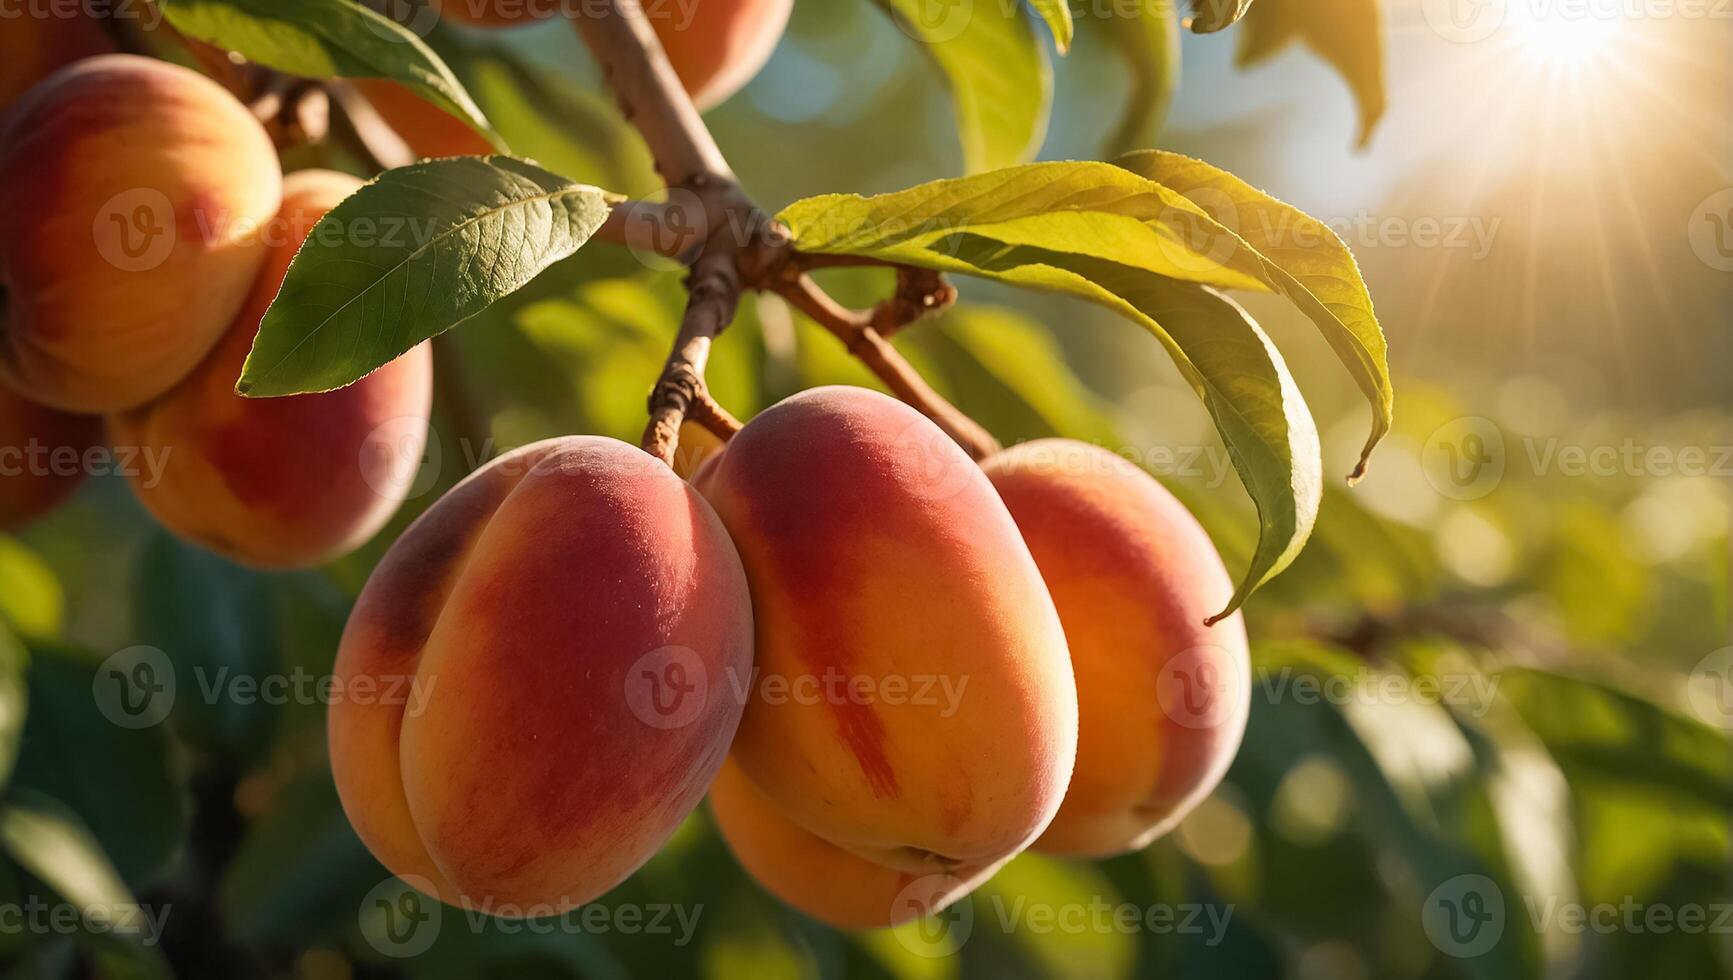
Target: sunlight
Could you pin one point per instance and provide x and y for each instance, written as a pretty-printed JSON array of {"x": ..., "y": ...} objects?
[{"x": 1558, "y": 37}]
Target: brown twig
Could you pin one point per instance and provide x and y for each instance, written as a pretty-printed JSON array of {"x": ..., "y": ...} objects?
[
  {"x": 860, "y": 332},
  {"x": 730, "y": 245}
]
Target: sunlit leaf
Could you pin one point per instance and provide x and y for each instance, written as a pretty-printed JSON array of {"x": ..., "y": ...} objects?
[
  {"x": 1348, "y": 34},
  {"x": 324, "y": 39},
  {"x": 1057, "y": 14},
  {"x": 31, "y": 599},
  {"x": 1126, "y": 243},
  {"x": 1209, "y": 16},
  {"x": 409, "y": 256},
  {"x": 1001, "y": 84},
  {"x": 1092, "y": 210},
  {"x": 1304, "y": 259}
]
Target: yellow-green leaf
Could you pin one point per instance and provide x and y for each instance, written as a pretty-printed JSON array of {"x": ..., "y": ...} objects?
[
  {"x": 1304, "y": 259},
  {"x": 1001, "y": 83}
]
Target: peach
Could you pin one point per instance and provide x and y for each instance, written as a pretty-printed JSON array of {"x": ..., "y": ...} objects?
[
  {"x": 819, "y": 878},
  {"x": 913, "y": 702},
  {"x": 698, "y": 446},
  {"x": 282, "y": 482},
  {"x": 715, "y": 46},
  {"x": 39, "y": 42},
  {"x": 131, "y": 194},
  {"x": 550, "y": 657},
  {"x": 428, "y": 130},
  {"x": 42, "y": 453},
  {"x": 1162, "y": 698}
]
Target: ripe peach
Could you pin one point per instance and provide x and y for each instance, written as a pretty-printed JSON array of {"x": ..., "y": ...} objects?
[
  {"x": 131, "y": 193},
  {"x": 564, "y": 631},
  {"x": 282, "y": 482},
  {"x": 41, "y": 456},
  {"x": 715, "y": 46},
  {"x": 39, "y": 43},
  {"x": 429, "y": 130},
  {"x": 914, "y": 703},
  {"x": 819, "y": 878},
  {"x": 1162, "y": 699}
]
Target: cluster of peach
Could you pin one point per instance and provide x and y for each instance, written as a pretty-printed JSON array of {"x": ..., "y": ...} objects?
[
  {"x": 914, "y": 665},
  {"x": 145, "y": 228}
]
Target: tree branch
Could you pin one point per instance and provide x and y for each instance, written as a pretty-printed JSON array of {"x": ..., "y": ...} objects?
[
  {"x": 863, "y": 337},
  {"x": 731, "y": 245}
]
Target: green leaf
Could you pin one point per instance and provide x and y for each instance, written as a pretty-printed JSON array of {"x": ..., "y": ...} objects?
[
  {"x": 1088, "y": 209},
  {"x": 31, "y": 599},
  {"x": 1209, "y": 16},
  {"x": 1057, "y": 14},
  {"x": 1348, "y": 34},
  {"x": 50, "y": 843},
  {"x": 1001, "y": 84},
  {"x": 1599, "y": 732},
  {"x": 324, "y": 39},
  {"x": 1148, "y": 41},
  {"x": 214, "y": 620},
  {"x": 1013, "y": 373},
  {"x": 409, "y": 256},
  {"x": 14, "y": 700},
  {"x": 123, "y": 782},
  {"x": 1304, "y": 259},
  {"x": 1120, "y": 241},
  {"x": 300, "y": 872}
]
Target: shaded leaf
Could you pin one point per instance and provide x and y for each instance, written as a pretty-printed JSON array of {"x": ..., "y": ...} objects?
[
  {"x": 215, "y": 622},
  {"x": 46, "y": 840},
  {"x": 1001, "y": 84},
  {"x": 300, "y": 871},
  {"x": 122, "y": 782},
  {"x": 409, "y": 256},
  {"x": 1304, "y": 259},
  {"x": 1348, "y": 34},
  {"x": 1148, "y": 41},
  {"x": 325, "y": 39},
  {"x": 1598, "y": 731},
  {"x": 14, "y": 700}
]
